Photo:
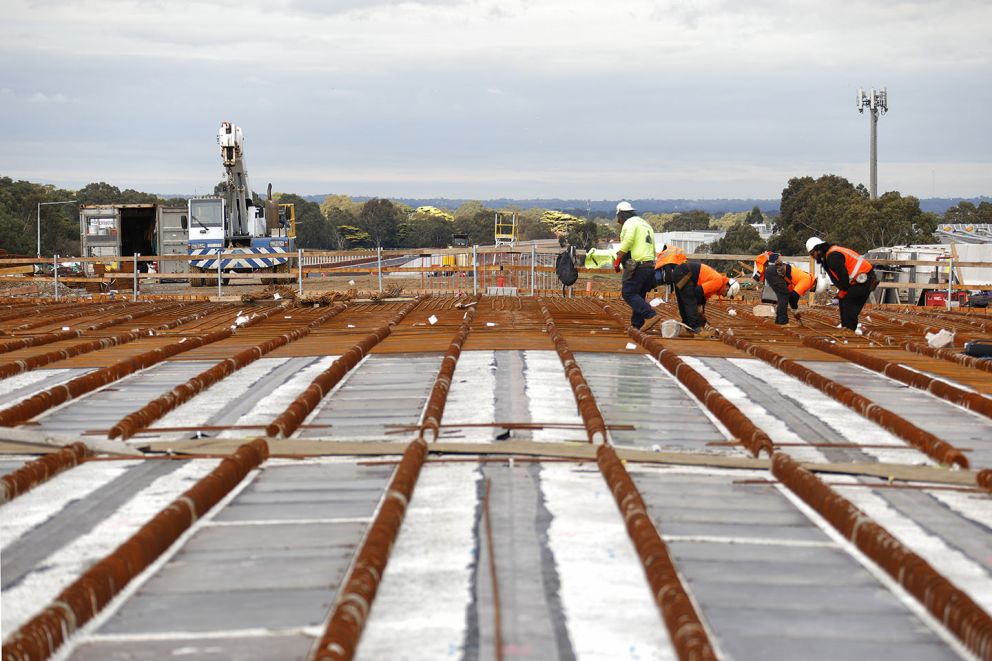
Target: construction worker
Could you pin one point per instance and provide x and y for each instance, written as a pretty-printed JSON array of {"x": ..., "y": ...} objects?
[
  {"x": 694, "y": 283},
  {"x": 789, "y": 283},
  {"x": 665, "y": 263},
  {"x": 852, "y": 274},
  {"x": 635, "y": 256}
]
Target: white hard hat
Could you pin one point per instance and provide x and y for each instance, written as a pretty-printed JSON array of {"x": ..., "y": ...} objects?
[
  {"x": 813, "y": 242},
  {"x": 733, "y": 289},
  {"x": 624, "y": 206}
]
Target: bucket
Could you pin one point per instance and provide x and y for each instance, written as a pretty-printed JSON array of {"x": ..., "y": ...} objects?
[{"x": 670, "y": 328}]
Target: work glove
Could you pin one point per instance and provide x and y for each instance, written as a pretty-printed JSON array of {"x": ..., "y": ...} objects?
[{"x": 617, "y": 263}]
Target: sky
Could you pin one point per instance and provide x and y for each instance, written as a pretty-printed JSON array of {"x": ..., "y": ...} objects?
[{"x": 579, "y": 99}]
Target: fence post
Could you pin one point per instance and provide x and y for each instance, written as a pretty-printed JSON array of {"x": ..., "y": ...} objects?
[
  {"x": 950, "y": 280},
  {"x": 134, "y": 289},
  {"x": 220, "y": 251},
  {"x": 533, "y": 269},
  {"x": 475, "y": 270},
  {"x": 55, "y": 274},
  {"x": 299, "y": 271},
  {"x": 378, "y": 261}
]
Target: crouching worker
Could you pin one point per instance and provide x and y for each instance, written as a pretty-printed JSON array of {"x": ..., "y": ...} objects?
[
  {"x": 635, "y": 256},
  {"x": 789, "y": 283},
  {"x": 696, "y": 282},
  {"x": 852, "y": 274}
]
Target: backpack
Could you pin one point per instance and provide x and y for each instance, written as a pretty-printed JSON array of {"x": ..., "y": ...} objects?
[{"x": 565, "y": 267}]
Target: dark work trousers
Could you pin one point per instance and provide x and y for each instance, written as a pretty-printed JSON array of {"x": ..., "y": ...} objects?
[
  {"x": 781, "y": 289},
  {"x": 636, "y": 284},
  {"x": 852, "y": 303},
  {"x": 689, "y": 295}
]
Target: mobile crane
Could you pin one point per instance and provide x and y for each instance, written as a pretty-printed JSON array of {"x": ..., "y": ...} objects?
[{"x": 237, "y": 223}]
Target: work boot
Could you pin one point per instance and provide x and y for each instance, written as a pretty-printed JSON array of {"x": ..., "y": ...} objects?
[
  {"x": 651, "y": 323},
  {"x": 704, "y": 333}
]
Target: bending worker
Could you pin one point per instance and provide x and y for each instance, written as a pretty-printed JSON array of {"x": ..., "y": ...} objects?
[
  {"x": 696, "y": 282},
  {"x": 852, "y": 274},
  {"x": 636, "y": 256},
  {"x": 789, "y": 283}
]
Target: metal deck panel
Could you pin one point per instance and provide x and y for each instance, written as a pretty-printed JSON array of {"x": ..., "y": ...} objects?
[
  {"x": 633, "y": 389},
  {"x": 15, "y": 388},
  {"x": 101, "y": 409},
  {"x": 275, "y": 570},
  {"x": 385, "y": 389},
  {"x": 770, "y": 597},
  {"x": 954, "y": 424}
]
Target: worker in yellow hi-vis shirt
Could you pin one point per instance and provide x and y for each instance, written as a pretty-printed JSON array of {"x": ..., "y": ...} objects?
[{"x": 636, "y": 257}]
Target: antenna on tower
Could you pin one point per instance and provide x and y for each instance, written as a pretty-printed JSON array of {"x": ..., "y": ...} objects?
[{"x": 877, "y": 103}]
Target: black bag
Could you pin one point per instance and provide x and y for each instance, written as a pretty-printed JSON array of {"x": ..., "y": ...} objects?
[
  {"x": 978, "y": 349},
  {"x": 565, "y": 267}
]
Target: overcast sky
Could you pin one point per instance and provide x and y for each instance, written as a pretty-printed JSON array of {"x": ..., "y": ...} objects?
[{"x": 498, "y": 98}]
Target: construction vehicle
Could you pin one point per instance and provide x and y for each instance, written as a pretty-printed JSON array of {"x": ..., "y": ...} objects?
[{"x": 238, "y": 223}]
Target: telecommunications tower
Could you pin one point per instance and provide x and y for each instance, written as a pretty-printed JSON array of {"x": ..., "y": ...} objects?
[{"x": 877, "y": 103}]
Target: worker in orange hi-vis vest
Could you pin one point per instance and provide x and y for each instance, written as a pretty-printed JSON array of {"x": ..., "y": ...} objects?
[
  {"x": 852, "y": 274},
  {"x": 665, "y": 263},
  {"x": 694, "y": 283},
  {"x": 789, "y": 282}
]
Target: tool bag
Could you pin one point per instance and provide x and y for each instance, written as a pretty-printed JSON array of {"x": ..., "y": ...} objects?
[{"x": 978, "y": 348}]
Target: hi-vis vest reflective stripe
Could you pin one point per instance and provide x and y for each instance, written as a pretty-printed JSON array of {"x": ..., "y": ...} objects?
[
  {"x": 853, "y": 262},
  {"x": 673, "y": 255},
  {"x": 711, "y": 280}
]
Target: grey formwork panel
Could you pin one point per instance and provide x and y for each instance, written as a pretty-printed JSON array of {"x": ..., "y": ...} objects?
[
  {"x": 778, "y": 587},
  {"x": 34, "y": 382},
  {"x": 789, "y": 411},
  {"x": 947, "y": 421},
  {"x": 28, "y": 552},
  {"x": 99, "y": 410},
  {"x": 633, "y": 389},
  {"x": 397, "y": 383},
  {"x": 275, "y": 570},
  {"x": 532, "y": 616},
  {"x": 255, "y": 648}
]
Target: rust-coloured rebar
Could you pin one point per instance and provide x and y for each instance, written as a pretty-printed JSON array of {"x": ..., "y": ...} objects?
[
  {"x": 949, "y": 355},
  {"x": 750, "y": 435},
  {"x": 289, "y": 420},
  {"x": 97, "y": 344},
  {"x": 43, "y": 634},
  {"x": 952, "y": 607},
  {"x": 493, "y": 577},
  {"x": 922, "y": 328},
  {"x": 434, "y": 410},
  {"x": 75, "y": 314},
  {"x": 953, "y": 317},
  {"x": 934, "y": 447},
  {"x": 41, "y": 402},
  {"x": 135, "y": 421},
  {"x": 685, "y": 627},
  {"x": 984, "y": 479},
  {"x": 40, "y": 470},
  {"x": 948, "y": 391},
  {"x": 354, "y": 599},
  {"x": 592, "y": 417}
]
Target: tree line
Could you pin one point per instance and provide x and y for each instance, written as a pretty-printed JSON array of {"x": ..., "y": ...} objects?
[{"x": 829, "y": 207}]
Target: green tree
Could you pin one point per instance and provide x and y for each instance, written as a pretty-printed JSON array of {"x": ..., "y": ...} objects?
[
  {"x": 313, "y": 229},
  {"x": 355, "y": 237},
  {"x": 659, "y": 221},
  {"x": 811, "y": 207},
  {"x": 966, "y": 213},
  {"x": 697, "y": 219},
  {"x": 475, "y": 221},
  {"x": 890, "y": 220},
  {"x": 754, "y": 216},
  {"x": 583, "y": 234},
  {"x": 380, "y": 219},
  {"x": 427, "y": 227},
  {"x": 558, "y": 222}
]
